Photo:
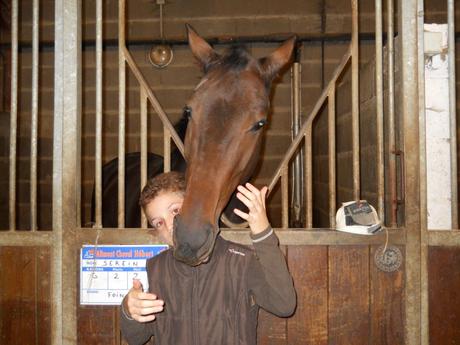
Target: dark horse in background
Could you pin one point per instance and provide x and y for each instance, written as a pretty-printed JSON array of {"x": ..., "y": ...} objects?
[
  {"x": 133, "y": 182},
  {"x": 226, "y": 116}
]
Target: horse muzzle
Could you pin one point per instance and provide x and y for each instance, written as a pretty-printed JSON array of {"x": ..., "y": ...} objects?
[{"x": 193, "y": 245}]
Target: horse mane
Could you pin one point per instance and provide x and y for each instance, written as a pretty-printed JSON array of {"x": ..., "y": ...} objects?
[
  {"x": 177, "y": 160},
  {"x": 181, "y": 126}
]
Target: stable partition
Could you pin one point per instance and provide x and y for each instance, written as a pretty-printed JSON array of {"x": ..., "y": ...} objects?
[{"x": 345, "y": 295}]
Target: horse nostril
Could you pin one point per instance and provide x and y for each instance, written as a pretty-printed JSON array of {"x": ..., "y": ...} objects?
[{"x": 191, "y": 240}]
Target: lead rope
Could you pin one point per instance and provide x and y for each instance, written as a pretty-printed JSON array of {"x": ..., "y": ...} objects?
[{"x": 386, "y": 242}]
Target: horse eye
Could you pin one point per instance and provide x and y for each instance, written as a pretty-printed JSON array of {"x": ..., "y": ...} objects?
[
  {"x": 187, "y": 112},
  {"x": 258, "y": 125}
]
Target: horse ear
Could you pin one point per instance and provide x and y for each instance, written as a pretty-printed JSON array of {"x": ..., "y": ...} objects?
[
  {"x": 273, "y": 63},
  {"x": 202, "y": 51}
]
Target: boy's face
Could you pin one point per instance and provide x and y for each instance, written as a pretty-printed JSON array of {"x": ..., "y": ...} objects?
[{"x": 161, "y": 211}]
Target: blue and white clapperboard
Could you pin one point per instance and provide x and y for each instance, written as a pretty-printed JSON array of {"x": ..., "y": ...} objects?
[{"x": 107, "y": 271}]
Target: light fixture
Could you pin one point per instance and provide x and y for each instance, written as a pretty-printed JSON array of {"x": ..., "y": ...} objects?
[{"x": 161, "y": 55}]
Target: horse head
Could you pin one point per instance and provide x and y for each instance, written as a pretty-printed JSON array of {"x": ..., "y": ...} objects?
[{"x": 227, "y": 114}]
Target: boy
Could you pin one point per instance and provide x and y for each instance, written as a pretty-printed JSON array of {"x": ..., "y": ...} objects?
[{"x": 216, "y": 302}]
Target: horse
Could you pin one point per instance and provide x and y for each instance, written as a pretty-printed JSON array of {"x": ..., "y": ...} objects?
[
  {"x": 132, "y": 184},
  {"x": 227, "y": 114}
]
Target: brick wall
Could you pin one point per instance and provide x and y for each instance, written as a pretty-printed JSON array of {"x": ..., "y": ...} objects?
[{"x": 173, "y": 85}]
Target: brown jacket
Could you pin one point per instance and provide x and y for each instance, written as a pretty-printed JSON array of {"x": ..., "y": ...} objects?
[{"x": 217, "y": 302}]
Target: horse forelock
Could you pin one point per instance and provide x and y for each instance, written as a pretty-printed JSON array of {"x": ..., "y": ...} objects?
[{"x": 235, "y": 58}]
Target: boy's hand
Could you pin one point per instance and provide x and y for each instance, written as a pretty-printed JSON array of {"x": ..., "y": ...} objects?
[
  {"x": 141, "y": 306},
  {"x": 254, "y": 199}
]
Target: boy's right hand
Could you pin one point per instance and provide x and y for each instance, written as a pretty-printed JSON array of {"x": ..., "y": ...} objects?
[{"x": 141, "y": 306}]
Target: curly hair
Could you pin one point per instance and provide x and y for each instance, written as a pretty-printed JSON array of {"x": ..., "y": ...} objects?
[{"x": 172, "y": 181}]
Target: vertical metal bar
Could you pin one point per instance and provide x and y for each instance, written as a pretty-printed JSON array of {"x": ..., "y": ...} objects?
[
  {"x": 57, "y": 329},
  {"x": 452, "y": 111},
  {"x": 379, "y": 99},
  {"x": 13, "y": 113},
  {"x": 332, "y": 156},
  {"x": 285, "y": 197},
  {"x": 308, "y": 178},
  {"x": 297, "y": 175},
  {"x": 409, "y": 16},
  {"x": 424, "y": 317},
  {"x": 391, "y": 115},
  {"x": 143, "y": 106},
  {"x": 161, "y": 18},
  {"x": 98, "y": 158},
  {"x": 355, "y": 99},
  {"x": 122, "y": 113},
  {"x": 166, "y": 149},
  {"x": 66, "y": 185},
  {"x": 34, "y": 119}
]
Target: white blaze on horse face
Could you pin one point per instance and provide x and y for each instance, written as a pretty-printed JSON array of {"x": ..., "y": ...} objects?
[{"x": 161, "y": 211}]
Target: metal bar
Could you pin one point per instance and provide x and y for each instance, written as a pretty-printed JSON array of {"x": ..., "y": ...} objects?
[
  {"x": 143, "y": 106},
  {"x": 379, "y": 100},
  {"x": 285, "y": 197},
  {"x": 111, "y": 43},
  {"x": 391, "y": 116},
  {"x": 34, "y": 119},
  {"x": 332, "y": 157},
  {"x": 297, "y": 174},
  {"x": 452, "y": 111},
  {"x": 13, "y": 114},
  {"x": 166, "y": 149},
  {"x": 308, "y": 178},
  {"x": 291, "y": 236},
  {"x": 66, "y": 184},
  {"x": 424, "y": 316},
  {"x": 319, "y": 103},
  {"x": 116, "y": 235},
  {"x": 161, "y": 20},
  {"x": 408, "y": 17},
  {"x": 355, "y": 99},
  {"x": 98, "y": 149},
  {"x": 121, "y": 114},
  {"x": 151, "y": 96},
  {"x": 57, "y": 329},
  {"x": 26, "y": 238}
]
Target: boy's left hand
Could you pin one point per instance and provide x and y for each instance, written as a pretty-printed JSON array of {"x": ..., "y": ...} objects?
[{"x": 254, "y": 199}]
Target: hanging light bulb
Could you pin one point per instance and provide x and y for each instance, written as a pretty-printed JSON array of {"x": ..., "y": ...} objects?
[{"x": 161, "y": 55}]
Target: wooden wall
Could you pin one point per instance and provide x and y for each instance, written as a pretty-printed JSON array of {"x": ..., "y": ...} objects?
[
  {"x": 343, "y": 298},
  {"x": 25, "y": 313},
  {"x": 444, "y": 295}
]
